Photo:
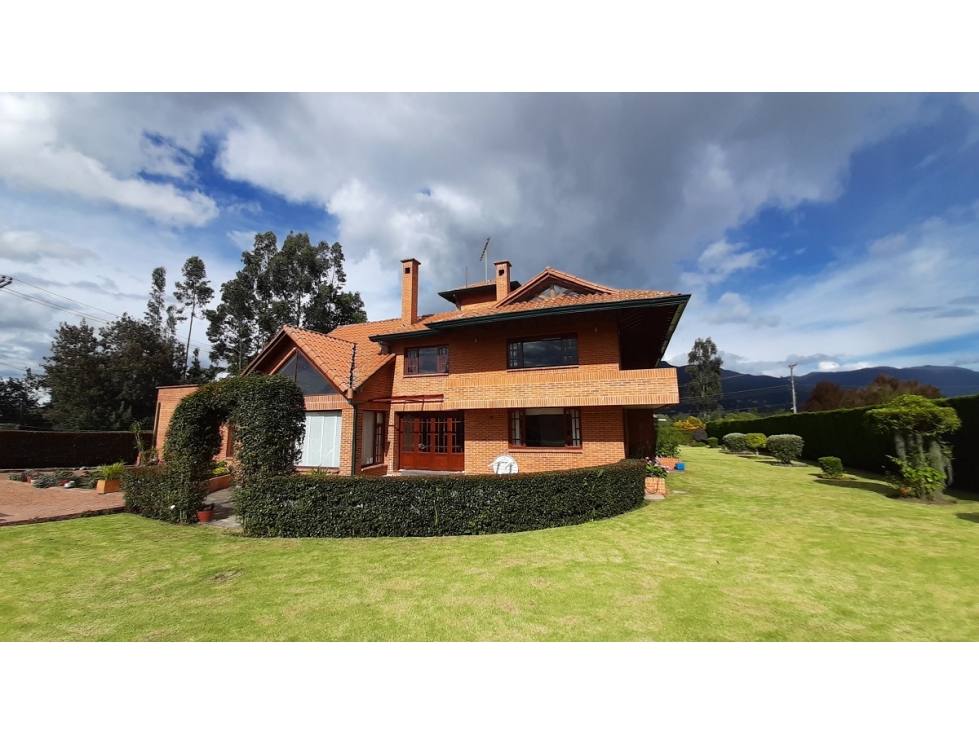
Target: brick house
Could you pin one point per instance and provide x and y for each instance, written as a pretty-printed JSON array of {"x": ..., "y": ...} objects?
[{"x": 556, "y": 373}]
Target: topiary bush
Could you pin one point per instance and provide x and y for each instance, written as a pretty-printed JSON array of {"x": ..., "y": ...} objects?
[
  {"x": 712, "y": 442},
  {"x": 755, "y": 441},
  {"x": 412, "y": 506},
  {"x": 785, "y": 447},
  {"x": 269, "y": 416},
  {"x": 832, "y": 467},
  {"x": 699, "y": 435},
  {"x": 735, "y": 442}
]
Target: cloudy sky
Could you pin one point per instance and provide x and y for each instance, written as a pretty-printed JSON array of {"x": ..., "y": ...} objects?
[{"x": 830, "y": 230}]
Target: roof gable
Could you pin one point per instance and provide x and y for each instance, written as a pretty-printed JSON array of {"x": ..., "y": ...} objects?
[{"x": 550, "y": 284}]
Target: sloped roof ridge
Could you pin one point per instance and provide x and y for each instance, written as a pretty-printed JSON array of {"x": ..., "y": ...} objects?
[{"x": 552, "y": 272}]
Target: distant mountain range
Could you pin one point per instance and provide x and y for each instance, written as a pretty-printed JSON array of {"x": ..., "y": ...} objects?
[{"x": 767, "y": 394}]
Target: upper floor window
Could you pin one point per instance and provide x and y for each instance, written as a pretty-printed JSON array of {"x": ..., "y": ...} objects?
[
  {"x": 555, "y": 351},
  {"x": 310, "y": 381},
  {"x": 427, "y": 361}
]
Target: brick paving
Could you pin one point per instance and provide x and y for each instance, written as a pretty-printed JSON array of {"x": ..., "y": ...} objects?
[{"x": 20, "y": 503}]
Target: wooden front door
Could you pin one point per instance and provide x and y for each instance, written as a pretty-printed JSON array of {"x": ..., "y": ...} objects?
[{"x": 432, "y": 441}]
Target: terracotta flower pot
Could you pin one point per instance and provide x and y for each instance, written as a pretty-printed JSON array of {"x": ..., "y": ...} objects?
[
  {"x": 205, "y": 515},
  {"x": 107, "y": 486}
]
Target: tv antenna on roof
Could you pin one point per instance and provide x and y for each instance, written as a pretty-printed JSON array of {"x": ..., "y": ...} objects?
[{"x": 485, "y": 260}]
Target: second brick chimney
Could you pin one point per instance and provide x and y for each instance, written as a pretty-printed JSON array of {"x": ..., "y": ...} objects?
[
  {"x": 502, "y": 269},
  {"x": 409, "y": 291}
]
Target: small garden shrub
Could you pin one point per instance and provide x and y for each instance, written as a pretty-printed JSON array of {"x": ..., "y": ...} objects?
[
  {"x": 699, "y": 435},
  {"x": 112, "y": 472},
  {"x": 303, "y": 505},
  {"x": 44, "y": 481},
  {"x": 832, "y": 467},
  {"x": 669, "y": 438},
  {"x": 19, "y": 477},
  {"x": 735, "y": 442},
  {"x": 917, "y": 480},
  {"x": 756, "y": 441},
  {"x": 785, "y": 447},
  {"x": 712, "y": 442},
  {"x": 160, "y": 493}
]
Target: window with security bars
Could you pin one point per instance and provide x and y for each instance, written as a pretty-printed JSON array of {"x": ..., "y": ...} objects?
[
  {"x": 427, "y": 361},
  {"x": 555, "y": 351},
  {"x": 545, "y": 428}
]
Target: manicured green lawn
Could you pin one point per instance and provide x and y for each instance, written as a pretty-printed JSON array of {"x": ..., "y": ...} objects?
[{"x": 751, "y": 552}]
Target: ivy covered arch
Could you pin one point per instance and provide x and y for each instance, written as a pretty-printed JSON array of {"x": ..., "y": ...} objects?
[{"x": 268, "y": 413}]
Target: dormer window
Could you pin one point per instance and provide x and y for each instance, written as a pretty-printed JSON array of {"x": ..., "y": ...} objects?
[
  {"x": 553, "y": 290},
  {"x": 427, "y": 361}
]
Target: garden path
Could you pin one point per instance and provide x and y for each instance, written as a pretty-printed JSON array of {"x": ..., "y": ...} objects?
[{"x": 21, "y": 503}]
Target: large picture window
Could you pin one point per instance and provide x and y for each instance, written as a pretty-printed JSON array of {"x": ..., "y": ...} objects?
[
  {"x": 373, "y": 437},
  {"x": 310, "y": 381},
  {"x": 427, "y": 361},
  {"x": 555, "y": 351},
  {"x": 546, "y": 428},
  {"x": 321, "y": 445}
]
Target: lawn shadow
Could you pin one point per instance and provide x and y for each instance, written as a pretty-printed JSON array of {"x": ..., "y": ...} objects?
[
  {"x": 878, "y": 487},
  {"x": 969, "y": 516}
]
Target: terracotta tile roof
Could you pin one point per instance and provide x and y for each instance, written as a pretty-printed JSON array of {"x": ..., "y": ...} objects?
[{"x": 332, "y": 352}]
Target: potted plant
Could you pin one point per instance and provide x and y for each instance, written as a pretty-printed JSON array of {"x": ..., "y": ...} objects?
[
  {"x": 109, "y": 478},
  {"x": 655, "y": 479},
  {"x": 206, "y": 513}
]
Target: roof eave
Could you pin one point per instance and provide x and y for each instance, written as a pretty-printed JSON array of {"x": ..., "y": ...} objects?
[{"x": 679, "y": 300}]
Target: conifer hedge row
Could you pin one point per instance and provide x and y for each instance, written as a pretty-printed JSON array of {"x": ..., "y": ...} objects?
[
  {"x": 849, "y": 435},
  {"x": 415, "y": 506}
]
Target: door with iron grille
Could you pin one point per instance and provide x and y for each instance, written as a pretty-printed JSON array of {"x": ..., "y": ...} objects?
[{"x": 432, "y": 441}]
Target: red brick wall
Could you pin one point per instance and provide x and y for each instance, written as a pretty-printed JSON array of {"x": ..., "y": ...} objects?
[{"x": 487, "y": 436}]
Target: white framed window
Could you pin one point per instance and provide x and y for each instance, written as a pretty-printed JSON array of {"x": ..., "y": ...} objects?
[{"x": 321, "y": 447}]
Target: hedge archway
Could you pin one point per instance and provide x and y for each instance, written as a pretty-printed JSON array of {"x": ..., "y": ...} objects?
[{"x": 268, "y": 413}]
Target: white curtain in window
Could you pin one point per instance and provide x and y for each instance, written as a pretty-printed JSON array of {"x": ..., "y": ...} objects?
[
  {"x": 367, "y": 440},
  {"x": 321, "y": 447}
]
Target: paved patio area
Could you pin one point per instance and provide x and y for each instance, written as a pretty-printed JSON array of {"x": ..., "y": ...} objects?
[{"x": 20, "y": 503}]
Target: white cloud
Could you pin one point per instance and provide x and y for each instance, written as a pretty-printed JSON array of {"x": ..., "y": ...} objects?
[
  {"x": 34, "y": 155},
  {"x": 31, "y": 247},
  {"x": 719, "y": 261},
  {"x": 851, "y": 306}
]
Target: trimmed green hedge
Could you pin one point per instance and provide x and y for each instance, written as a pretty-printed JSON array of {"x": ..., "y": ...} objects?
[
  {"x": 849, "y": 435},
  {"x": 41, "y": 449},
  {"x": 160, "y": 493},
  {"x": 416, "y": 506}
]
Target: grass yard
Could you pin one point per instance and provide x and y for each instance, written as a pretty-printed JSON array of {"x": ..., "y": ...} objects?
[{"x": 751, "y": 552}]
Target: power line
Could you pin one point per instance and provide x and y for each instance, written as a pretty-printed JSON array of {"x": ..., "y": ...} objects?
[
  {"x": 64, "y": 298},
  {"x": 98, "y": 319}
]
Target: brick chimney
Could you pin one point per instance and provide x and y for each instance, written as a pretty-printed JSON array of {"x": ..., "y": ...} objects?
[
  {"x": 502, "y": 279},
  {"x": 409, "y": 291}
]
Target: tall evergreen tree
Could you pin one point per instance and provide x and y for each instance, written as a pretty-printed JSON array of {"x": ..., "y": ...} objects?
[
  {"x": 20, "y": 400},
  {"x": 194, "y": 291},
  {"x": 299, "y": 284},
  {"x": 75, "y": 376},
  {"x": 704, "y": 370}
]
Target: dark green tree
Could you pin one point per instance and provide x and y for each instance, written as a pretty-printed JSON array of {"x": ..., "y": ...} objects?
[
  {"x": 194, "y": 291},
  {"x": 704, "y": 370},
  {"x": 75, "y": 376},
  {"x": 197, "y": 374},
  {"x": 300, "y": 284},
  {"x": 20, "y": 400},
  {"x": 163, "y": 318}
]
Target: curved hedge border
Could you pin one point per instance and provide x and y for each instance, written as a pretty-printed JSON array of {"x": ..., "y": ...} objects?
[{"x": 414, "y": 506}]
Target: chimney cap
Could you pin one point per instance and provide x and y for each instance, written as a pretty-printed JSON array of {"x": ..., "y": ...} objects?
[
  {"x": 410, "y": 260},
  {"x": 503, "y": 262}
]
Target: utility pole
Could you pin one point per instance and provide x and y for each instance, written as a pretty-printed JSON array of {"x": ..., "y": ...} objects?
[
  {"x": 792, "y": 380},
  {"x": 5, "y": 280}
]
